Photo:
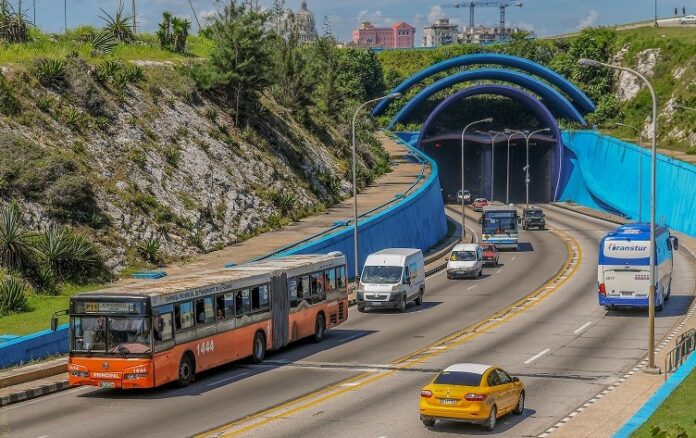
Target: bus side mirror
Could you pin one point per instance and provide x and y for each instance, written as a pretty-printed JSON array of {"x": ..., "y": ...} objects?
[{"x": 675, "y": 243}]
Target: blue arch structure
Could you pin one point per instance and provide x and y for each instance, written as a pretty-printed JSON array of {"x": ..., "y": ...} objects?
[
  {"x": 579, "y": 99},
  {"x": 552, "y": 98},
  {"x": 526, "y": 99}
]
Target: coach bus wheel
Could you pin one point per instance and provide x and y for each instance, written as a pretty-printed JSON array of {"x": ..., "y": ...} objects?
[
  {"x": 186, "y": 371},
  {"x": 319, "y": 328},
  {"x": 259, "y": 349}
]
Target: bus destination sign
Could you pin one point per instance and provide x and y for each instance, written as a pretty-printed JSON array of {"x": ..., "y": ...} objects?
[{"x": 110, "y": 307}]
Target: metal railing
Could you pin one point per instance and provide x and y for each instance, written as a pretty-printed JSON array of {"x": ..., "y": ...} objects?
[{"x": 686, "y": 343}]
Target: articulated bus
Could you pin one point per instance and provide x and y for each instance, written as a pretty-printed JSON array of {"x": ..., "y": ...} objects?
[
  {"x": 499, "y": 225},
  {"x": 147, "y": 335},
  {"x": 623, "y": 269}
]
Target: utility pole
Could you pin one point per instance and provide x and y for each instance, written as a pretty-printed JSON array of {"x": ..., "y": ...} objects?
[
  {"x": 33, "y": 3},
  {"x": 198, "y": 23},
  {"x": 135, "y": 30},
  {"x": 65, "y": 16}
]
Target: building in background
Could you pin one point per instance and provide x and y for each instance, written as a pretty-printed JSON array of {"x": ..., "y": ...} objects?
[
  {"x": 301, "y": 22},
  {"x": 400, "y": 36},
  {"x": 487, "y": 35},
  {"x": 440, "y": 33}
]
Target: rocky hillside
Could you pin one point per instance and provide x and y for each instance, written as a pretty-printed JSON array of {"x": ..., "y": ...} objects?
[{"x": 131, "y": 153}]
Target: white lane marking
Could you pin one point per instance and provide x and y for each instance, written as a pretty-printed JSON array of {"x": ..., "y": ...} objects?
[
  {"x": 498, "y": 271},
  {"x": 351, "y": 337},
  {"x": 584, "y": 326},
  {"x": 471, "y": 287},
  {"x": 513, "y": 258},
  {"x": 536, "y": 356},
  {"x": 442, "y": 271},
  {"x": 43, "y": 436},
  {"x": 351, "y": 384},
  {"x": 226, "y": 379}
]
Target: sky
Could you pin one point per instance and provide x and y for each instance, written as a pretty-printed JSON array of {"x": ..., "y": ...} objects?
[{"x": 544, "y": 17}]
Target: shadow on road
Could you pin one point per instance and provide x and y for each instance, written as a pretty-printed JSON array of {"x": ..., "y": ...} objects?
[
  {"x": 504, "y": 425},
  {"x": 524, "y": 247},
  {"x": 411, "y": 308},
  {"x": 678, "y": 305}
]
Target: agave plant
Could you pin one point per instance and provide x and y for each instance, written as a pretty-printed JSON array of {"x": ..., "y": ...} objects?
[
  {"x": 13, "y": 296},
  {"x": 149, "y": 250},
  {"x": 285, "y": 201},
  {"x": 67, "y": 254},
  {"x": 103, "y": 43},
  {"x": 107, "y": 70},
  {"x": 45, "y": 281},
  {"x": 15, "y": 241},
  {"x": 50, "y": 72},
  {"x": 118, "y": 24},
  {"x": 133, "y": 74}
]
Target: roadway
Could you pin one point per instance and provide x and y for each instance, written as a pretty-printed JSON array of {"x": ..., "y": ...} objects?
[{"x": 565, "y": 348}]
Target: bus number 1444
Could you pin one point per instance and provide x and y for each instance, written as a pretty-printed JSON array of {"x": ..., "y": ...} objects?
[{"x": 205, "y": 347}]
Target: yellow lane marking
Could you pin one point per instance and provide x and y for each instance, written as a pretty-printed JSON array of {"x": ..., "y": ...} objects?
[{"x": 284, "y": 410}]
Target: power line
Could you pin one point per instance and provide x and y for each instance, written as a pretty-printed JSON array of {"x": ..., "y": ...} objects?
[{"x": 195, "y": 16}]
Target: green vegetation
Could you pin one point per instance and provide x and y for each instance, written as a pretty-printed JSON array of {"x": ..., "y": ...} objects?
[
  {"x": 13, "y": 296},
  {"x": 676, "y": 417}
]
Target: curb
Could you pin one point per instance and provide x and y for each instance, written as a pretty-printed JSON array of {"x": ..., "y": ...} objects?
[
  {"x": 29, "y": 394},
  {"x": 35, "y": 374}
]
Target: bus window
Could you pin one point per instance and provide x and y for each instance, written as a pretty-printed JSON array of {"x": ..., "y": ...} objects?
[
  {"x": 242, "y": 302},
  {"x": 341, "y": 276},
  {"x": 259, "y": 298},
  {"x": 317, "y": 285},
  {"x": 204, "y": 310},
  {"x": 292, "y": 291},
  {"x": 183, "y": 315},
  {"x": 330, "y": 278}
]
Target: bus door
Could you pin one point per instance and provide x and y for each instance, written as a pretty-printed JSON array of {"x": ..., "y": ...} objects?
[{"x": 280, "y": 311}]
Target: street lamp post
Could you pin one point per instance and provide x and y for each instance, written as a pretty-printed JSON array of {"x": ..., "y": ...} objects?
[
  {"x": 493, "y": 135},
  {"x": 507, "y": 178},
  {"x": 355, "y": 179},
  {"x": 653, "y": 170},
  {"x": 486, "y": 120},
  {"x": 640, "y": 168},
  {"x": 526, "y": 168}
]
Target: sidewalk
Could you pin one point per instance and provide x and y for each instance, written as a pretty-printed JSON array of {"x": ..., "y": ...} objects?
[{"x": 606, "y": 413}]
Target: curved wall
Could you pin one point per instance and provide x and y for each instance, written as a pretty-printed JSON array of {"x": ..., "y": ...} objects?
[{"x": 602, "y": 172}]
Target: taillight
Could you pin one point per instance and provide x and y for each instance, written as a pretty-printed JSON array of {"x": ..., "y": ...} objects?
[
  {"x": 475, "y": 397},
  {"x": 602, "y": 290},
  {"x": 425, "y": 393}
]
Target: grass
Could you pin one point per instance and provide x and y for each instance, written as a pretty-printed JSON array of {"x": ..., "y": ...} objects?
[
  {"x": 675, "y": 415},
  {"x": 41, "y": 310}
]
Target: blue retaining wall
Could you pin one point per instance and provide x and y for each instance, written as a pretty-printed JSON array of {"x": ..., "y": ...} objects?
[
  {"x": 416, "y": 221},
  {"x": 35, "y": 346},
  {"x": 601, "y": 172}
]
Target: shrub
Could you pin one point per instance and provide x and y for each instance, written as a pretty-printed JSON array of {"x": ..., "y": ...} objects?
[
  {"x": 149, "y": 250},
  {"x": 9, "y": 105},
  {"x": 75, "y": 119},
  {"x": 107, "y": 71},
  {"x": 133, "y": 74},
  {"x": 172, "y": 155},
  {"x": 71, "y": 196},
  {"x": 13, "y": 296},
  {"x": 44, "y": 104},
  {"x": 284, "y": 201},
  {"x": 118, "y": 24},
  {"x": 15, "y": 244},
  {"x": 49, "y": 72},
  {"x": 45, "y": 281},
  {"x": 211, "y": 113},
  {"x": 103, "y": 43},
  {"x": 70, "y": 256}
]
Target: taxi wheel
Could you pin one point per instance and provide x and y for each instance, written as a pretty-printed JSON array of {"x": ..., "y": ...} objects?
[
  {"x": 519, "y": 409},
  {"x": 492, "y": 419},
  {"x": 428, "y": 422},
  {"x": 319, "y": 328},
  {"x": 259, "y": 348},
  {"x": 186, "y": 371}
]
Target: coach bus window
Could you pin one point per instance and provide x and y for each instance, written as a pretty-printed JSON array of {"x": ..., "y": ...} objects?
[
  {"x": 330, "y": 277},
  {"x": 243, "y": 302},
  {"x": 341, "y": 276},
  {"x": 183, "y": 315},
  {"x": 292, "y": 291},
  {"x": 317, "y": 284}
]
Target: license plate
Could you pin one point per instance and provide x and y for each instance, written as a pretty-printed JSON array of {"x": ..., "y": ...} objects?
[
  {"x": 377, "y": 303},
  {"x": 448, "y": 401},
  {"x": 624, "y": 293},
  {"x": 107, "y": 385}
]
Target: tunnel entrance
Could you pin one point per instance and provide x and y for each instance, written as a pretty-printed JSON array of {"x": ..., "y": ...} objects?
[{"x": 478, "y": 166}]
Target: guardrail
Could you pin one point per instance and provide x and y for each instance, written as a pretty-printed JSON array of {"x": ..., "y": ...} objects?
[{"x": 685, "y": 345}]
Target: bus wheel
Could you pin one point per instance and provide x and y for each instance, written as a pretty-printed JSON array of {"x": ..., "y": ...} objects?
[
  {"x": 319, "y": 328},
  {"x": 186, "y": 371},
  {"x": 658, "y": 308},
  {"x": 259, "y": 348}
]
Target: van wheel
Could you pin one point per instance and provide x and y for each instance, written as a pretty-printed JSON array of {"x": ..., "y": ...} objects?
[
  {"x": 319, "y": 328},
  {"x": 402, "y": 308},
  {"x": 186, "y": 371},
  {"x": 259, "y": 348},
  {"x": 361, "y": 309},
  {"x": 419, "y": 300}
]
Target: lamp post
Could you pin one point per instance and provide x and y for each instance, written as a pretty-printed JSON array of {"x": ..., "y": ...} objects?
[
  {"x": 507, "y": 178},
  {"x": 640, "y": 168},
  {"x": 526, "y": 168},
  {"x": 651, "y": 368},
  {"x": 355, "y": 178},
  {"x": 493, "y": 135},
  {"x": 486, "y": 120}
]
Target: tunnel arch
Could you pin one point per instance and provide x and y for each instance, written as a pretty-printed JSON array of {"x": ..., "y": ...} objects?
[
  {"x": 528, "y": 100},
  {"x": 551, "y": 97},
  {"x": 578, "y": 98}
]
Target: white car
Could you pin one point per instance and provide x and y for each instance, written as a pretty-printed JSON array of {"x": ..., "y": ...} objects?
[
  {"x": 465, "y": 260},
  {"x": 689, "y": 19},
  {"x": 466, "y": 195}
]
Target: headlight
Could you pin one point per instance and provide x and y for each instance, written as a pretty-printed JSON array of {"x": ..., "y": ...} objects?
[
  {"x": 396, "y": 288},
  {"x": 79, "y": 373},
  {"x": 135, "y": 376}
]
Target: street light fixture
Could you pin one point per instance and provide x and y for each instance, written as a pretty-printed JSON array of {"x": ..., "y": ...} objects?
[
  {"x": 651, "y": 368},
  {"x": 640, "y": 168},
  {"x": 486, "y": 120},
  {"x": 493, "y": 135},
  {"x": 510, "y": 134},
  {"x": 355, "y": 178},
  {"x": 526, "y": 168}
]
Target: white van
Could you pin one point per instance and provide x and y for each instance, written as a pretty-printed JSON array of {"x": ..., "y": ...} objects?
[
  {"x": 465, "y": 260},
  {"x": 391, "y": 278}
]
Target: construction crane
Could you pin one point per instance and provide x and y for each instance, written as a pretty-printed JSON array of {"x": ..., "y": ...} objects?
[{"x": 502, "y": 4}]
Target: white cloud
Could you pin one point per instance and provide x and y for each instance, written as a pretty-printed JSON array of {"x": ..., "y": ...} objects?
[
  {"x": 589, "y": 20},
  {"x": 377, "y": 18},
  {"x": 435, "y": 13}
]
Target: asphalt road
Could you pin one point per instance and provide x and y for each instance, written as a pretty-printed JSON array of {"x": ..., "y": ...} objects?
[{"x": 585, "y": 348}]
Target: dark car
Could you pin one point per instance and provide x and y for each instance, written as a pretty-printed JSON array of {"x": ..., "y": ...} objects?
[
  {"x": 533, "y": 217},
  {"x": 490, "y": 254}
]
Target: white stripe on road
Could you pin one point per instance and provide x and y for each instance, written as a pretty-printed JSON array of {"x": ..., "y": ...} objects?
[
  {"x": 351, "y": 337},
  {"x": 498, "y": 271},
  {"x": 226, "y": 379},
  {"x": 536, "y": 356},
  {"x": 584, "y": 326},
  {"x": 513, "y": 258},
  {"x": 471, "y": 287}
]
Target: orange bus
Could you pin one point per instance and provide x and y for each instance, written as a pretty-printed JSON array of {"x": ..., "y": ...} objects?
[{"x": 150, "y": 334}]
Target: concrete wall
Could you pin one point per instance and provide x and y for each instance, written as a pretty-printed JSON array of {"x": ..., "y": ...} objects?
[
  {"x": 602, "y": 172},
  {"x": 35, "y": 346}
]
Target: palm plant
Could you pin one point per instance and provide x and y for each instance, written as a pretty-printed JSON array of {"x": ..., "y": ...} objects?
[
  {"x": 15, "y": 241},
  {"x": 118, "y": 24},
  {"x": 164, "y": 33},
  {"x": 180, "y": 30}
]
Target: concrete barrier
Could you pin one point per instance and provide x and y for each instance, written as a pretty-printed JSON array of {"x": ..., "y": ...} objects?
[{"x": 34, "y": 346}]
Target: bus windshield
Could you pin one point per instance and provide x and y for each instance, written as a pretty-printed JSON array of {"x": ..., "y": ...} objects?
[
  {"x": 499, "y": 225},
  {"x": 113, "y": 334},
  {"x": 382, "y": 274}
]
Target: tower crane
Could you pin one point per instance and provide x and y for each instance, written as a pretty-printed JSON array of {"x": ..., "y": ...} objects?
[{"x": 502, "y": 4}]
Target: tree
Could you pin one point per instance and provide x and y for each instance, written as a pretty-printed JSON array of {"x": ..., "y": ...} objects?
[
  {"x": 164, "y": 32},
  {"x": 360, "y": 77},
  {"x": 240, "y": 66},
  {"x": 326, "y": 64},
  {"x": 180, "y": 29},
  {"x": 294, "y": 84}
]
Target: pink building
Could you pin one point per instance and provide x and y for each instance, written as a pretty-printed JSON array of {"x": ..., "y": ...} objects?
[{"x": 399, "y": 36}]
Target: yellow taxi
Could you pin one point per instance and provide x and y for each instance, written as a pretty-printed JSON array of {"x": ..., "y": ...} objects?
[{"x": 471, "y": 393}]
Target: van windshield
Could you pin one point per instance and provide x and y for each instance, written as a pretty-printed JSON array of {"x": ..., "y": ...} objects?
[
  {"x": 463, "y": 256},
  {"x": 382, "y": 274}
]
